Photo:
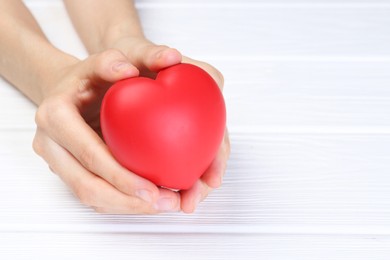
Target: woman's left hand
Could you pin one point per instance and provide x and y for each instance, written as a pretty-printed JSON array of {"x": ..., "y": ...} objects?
[{"x": 149, "y": 59}]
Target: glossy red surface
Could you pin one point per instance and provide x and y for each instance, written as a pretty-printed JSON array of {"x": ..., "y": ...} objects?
[{"x": 167, "y": 130}]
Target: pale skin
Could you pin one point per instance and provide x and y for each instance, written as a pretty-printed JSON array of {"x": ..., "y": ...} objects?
[{"x": 68, "y": 92}]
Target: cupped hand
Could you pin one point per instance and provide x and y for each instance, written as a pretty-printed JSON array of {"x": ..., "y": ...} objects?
[
  {"x": 68, "y": 137},
  {"x": 149, "y": 59}
]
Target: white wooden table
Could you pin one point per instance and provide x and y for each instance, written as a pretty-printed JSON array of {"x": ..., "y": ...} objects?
[{"x": 308, "y": 98}]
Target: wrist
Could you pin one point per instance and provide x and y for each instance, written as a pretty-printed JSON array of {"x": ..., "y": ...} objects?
[
  {"x": 129, "y": 45},
  {"x": 48, "y": 76},
  {"x": 114, "y": 36}
]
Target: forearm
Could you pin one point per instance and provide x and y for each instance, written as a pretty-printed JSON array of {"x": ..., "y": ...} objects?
[
  {"x": 101, "y": 23},
  {"x": 27, "y": 59}
]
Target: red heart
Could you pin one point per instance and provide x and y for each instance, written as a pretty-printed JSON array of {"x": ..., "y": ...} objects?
[{"x": 167, "y": 130}]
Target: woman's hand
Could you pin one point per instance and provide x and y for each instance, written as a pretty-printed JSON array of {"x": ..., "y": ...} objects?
[
  {"x": 69, "y": 93},
  {"x": 123, "y": 31},
  {"x": 149, "y": 59},
  {"x": 68, "y": 137}
]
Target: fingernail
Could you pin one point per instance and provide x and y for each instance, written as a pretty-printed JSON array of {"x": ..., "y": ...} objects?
[
  {"x": 145, "y": 195},
  {"x": 121, "y": 66},
  {"x": 164, "y": 204}
]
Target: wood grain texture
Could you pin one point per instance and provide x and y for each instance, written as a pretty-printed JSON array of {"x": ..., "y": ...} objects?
[
  {"x": 304, "y": 96},
  {"x": 321, "y": 92},
  {"x": 258, "y": 31},
  {"x": 284, "y": 197},
  {"x": 282, "y": 3},
  {"x": 192, "y": 246},
  {"x": 274, "y": 184},
  {"x": 307, "y": 92}
]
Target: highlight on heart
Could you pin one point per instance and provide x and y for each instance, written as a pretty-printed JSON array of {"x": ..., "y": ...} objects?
[{"x": 167, "y": 130}]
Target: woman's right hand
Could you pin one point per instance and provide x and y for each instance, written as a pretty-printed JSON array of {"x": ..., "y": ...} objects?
[{"x": 68, "y": 138}]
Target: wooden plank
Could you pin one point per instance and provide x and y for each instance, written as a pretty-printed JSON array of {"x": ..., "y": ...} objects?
[
  {"x": 307, "y": 96},
  {"x": 242, "y": 30},
  {"x": 190, "y": 246},
  {"x": 287, "y": 96},
  {"x": 307, "y": 67},
  {"x": 16, "y": 111},
  {"x": 257, "y": 31},
  {"x": 224, "y": 2},
  {"x": 260, "y": 2},
  {"x": 275, "y": 183},
  {"x": 52, "y": 17}
]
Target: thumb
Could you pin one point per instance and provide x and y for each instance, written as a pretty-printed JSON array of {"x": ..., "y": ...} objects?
[{"x": 108, "y": 66}]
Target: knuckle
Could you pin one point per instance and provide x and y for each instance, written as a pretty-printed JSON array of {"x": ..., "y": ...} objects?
[
  {"x": 37, "y": 145},
  {"x": 40, "y": 148},
  {"x": 104, "y": 59},
  {"x": 151, "y": 51},
  {"x": 41, "y": 115},
  {"x": 50, "y": 110}
]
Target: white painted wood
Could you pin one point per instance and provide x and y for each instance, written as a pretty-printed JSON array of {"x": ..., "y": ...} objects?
[
  {"x": 257, "y": 31},
  {"x": 284, "y": 197},
  {"x": 307, "y": 92},
  {"x": 193, "y": 246},
  {"x": 274, "y": 183},
  {"x": 245, "y": 2},
  {"x": 16, "y": 112},
  {"x": 308, "y": 96},
  {"x": 52, "y": 17},
  {"x": 295, "y": 88},
  {"x": 254, "y": 31},
  {"x": 280, "y": 96}
]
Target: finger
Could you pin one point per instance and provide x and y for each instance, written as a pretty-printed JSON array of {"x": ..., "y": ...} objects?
[
  {"x": 212, "y": 178},
  {"x": 89, "y": 149},
  {"x": 214, "y": 174},
  {"x": 90, "y": 189},
  {"x": 192, "y": 197},
  {"x": 108, "y": 66},
  {"x": 151, "y": 58},
  {"x": 165, "y": 203},
  {"x": 168, "y": 201},
  {"x": 159, "y": 57}
]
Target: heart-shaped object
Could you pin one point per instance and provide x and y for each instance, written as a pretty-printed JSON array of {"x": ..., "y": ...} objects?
[{"x": 167, "y": 130}]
